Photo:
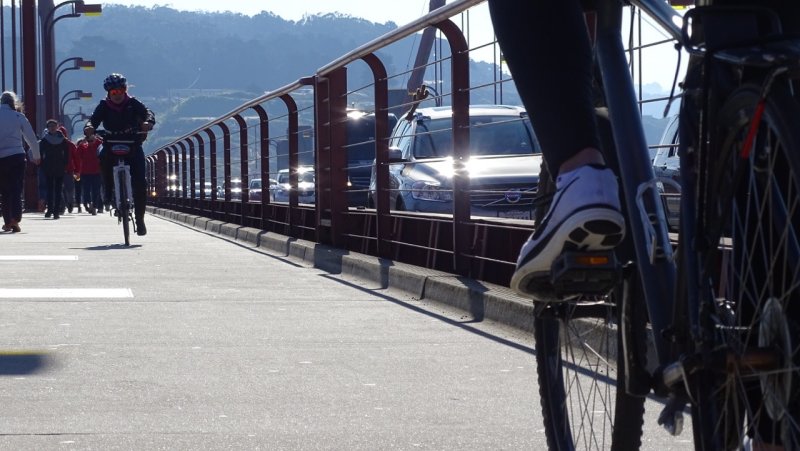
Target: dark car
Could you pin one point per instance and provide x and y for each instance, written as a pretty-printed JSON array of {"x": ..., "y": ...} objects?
[
  {"x": 361, "y": 154},
  {"x": 504, "y": 163},
  {"x": 254, "y": 189},
  {"x": 666, "y": 166}
]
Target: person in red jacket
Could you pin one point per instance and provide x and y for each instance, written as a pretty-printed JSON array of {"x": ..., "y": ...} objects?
[
  {"x": 70, "y": 186},
  {"x": 89, "y": 169}
]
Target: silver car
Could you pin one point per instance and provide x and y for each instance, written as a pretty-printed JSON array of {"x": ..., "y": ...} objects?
[
  {"x": 504, "y": 163},
  {"x": 305, "y": 186}
]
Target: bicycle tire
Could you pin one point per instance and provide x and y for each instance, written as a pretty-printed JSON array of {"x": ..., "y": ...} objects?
[
  {"x": 752, "y": 208},
  {"x": 584, "y": 404},
  {"x": 124, "y": 212},
  {"x": 554, "y": 332}
]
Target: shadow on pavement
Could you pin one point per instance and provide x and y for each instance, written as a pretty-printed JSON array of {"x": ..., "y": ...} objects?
[
  {"x": 108, "y": 247},
  {"x": 23, "y": 363}
]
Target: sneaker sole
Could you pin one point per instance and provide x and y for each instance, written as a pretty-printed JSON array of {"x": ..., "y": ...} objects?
[{"x": 597, "y": 229}]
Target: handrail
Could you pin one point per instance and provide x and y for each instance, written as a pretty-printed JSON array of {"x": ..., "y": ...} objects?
[
  {"x": 305, "y": 81},
  {"x": 432, "y": 18},
  {"x": 374, "y": 226},
  {"x": 662, "y": 13},
  {"x": 423, "y": 22}
]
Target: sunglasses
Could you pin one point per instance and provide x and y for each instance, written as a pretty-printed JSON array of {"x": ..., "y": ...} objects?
[{"x": 116, "y": 92}]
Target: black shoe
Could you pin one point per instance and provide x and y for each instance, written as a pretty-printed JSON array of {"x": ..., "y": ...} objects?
[
  {"x": 141, "y": 230},
  {"x": 69, "y": 209},
  {"x": 79, "y": 209},
  {"x": 56, "y": 216},
  {"x": 48, "y": 214}
]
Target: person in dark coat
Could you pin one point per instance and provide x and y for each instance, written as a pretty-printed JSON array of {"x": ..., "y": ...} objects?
[
  {"x": 125, "y": 115},
  {"x": 55, "y": 151}
]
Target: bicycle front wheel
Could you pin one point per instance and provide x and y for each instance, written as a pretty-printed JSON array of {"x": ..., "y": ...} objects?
[
  {"x": 124, "y": 212},
  {"x": 753, "y": 215},
  {"x": 583, "y": 400}
]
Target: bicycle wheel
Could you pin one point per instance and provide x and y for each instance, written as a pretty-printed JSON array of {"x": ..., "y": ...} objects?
[
  {"x": 753, "y": 215},
  {"x": 583, "y": 400},
  {"x": 124, "y": 212}
]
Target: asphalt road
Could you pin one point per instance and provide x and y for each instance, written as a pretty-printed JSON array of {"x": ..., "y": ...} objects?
[{"x": 188, "y": 341}]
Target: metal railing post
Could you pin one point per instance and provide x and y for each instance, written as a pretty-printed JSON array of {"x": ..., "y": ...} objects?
[
  {"x": 243, "y": 160},
  {"x": 212, "y": 154},
  {"x": 192, "y": 174},
  {"x": 381, "y": 90},
  {"x": 184, "y": 174},
  {"x": 263, "y": 123},
  {"x": 293, "y": 138},
  {"x": 201, "y": 151},
  {"x": 460, "y": 99}
]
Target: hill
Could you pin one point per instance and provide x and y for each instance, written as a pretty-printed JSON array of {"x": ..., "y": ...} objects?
[{"x": 189, "y": 67}]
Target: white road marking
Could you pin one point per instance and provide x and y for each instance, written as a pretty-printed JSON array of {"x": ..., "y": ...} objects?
[
  {"x": 38, "y": 257},
  {"x": 63, "y": 293}
]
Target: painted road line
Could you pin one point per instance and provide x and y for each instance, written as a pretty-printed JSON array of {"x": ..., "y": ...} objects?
[
  {"x": 64, "y": 293},
  {"x": 38, "y": 257}
]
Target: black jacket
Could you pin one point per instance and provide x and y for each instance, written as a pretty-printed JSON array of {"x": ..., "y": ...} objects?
[
  {"x": 129, "y": 115},
  {"x": 55, "y": 155}
]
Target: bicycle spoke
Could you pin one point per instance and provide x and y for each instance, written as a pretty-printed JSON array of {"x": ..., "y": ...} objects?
[{"x": 758, "y": 395}]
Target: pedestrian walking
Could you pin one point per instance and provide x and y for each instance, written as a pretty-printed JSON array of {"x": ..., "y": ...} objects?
[
  {"x": 14, "y": 129},
  {"x": 55, "y": 160},
  {"x": 70, "y": 186},
  {"x": 88, "y": 164}
]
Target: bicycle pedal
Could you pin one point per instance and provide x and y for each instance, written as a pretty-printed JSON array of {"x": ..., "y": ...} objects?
[{"x": 584, "y": 273}]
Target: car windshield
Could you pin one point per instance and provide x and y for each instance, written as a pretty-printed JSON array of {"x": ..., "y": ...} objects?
[
  {"x": 307, "y": 176},
  {"x": 361, "y": 137},
  {"x": 489, "y": 135}
]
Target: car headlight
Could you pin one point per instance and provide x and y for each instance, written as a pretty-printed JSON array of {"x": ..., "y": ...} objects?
[{"x": 431, "y": 191}]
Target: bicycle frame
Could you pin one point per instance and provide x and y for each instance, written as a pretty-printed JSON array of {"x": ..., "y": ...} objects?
[
  {"x": 122, "y": 174},
  {"x": 647, "y": 222},
  {"x": 123, "y": 190}
]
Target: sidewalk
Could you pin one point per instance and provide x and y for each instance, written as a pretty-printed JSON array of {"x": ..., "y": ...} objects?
[
  {"x": 480, "y": 299},
  {"x": 188, "y": 341}
]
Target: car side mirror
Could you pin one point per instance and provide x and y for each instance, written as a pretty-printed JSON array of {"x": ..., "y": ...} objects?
[{"x": 396, "y": 155}]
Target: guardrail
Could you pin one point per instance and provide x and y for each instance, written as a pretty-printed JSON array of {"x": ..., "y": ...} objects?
[{"x": 221, "y": 170}]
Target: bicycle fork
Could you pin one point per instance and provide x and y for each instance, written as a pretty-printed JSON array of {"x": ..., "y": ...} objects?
[{"x": 122, "y": 179}]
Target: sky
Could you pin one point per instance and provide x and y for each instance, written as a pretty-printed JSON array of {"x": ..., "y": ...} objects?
[
  {"x": 659, "y": 67},
  {"x": 381, "y": 11}
]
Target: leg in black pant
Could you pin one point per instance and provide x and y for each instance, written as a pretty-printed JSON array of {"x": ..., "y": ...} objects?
[
  {"x": 139, "y": 185},
  {"x": 54, "y": 193},
  {"x": 12, "y": 177}
]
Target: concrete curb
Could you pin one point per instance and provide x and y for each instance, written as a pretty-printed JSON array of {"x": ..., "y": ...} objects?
[{"x": 482, "y": 300}]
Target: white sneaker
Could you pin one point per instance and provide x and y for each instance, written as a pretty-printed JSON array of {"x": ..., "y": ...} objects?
[{"x": 584, "y": 216}]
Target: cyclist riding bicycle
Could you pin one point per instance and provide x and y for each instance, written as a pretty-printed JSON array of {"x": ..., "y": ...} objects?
[
  {"x": 548, "y": 50},
  {"x": 119, "y": 113}
]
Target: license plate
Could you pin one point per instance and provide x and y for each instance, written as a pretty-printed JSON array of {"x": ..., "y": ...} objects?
[{"x": 515, "y": 214}]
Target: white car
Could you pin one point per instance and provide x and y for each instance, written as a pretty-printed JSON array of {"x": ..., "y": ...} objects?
[{"x": 305, "y": 186}]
